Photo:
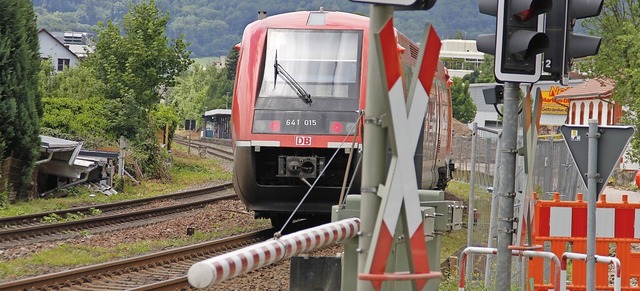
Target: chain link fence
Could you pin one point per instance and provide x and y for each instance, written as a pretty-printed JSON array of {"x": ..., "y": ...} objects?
[{"x": 554, "y": 171}]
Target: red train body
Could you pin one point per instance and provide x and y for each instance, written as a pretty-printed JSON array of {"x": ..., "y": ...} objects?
[{"x": 300, "y": 85}]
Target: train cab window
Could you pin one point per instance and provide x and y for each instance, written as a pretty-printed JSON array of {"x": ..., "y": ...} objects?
[{"x": 325, "y": 63}]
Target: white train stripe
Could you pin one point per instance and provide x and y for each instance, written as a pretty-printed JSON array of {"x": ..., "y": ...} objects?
[{"x": 265, "y": 143}]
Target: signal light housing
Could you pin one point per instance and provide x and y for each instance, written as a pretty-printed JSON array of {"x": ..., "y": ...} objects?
[
  {"x": 519, "y": 39},
  {"x": 403, "y": 4},
  {"x": 565, "y": 45}
]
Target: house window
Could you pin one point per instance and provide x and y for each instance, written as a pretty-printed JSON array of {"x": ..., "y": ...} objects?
[
  {"x": 63, "y": 63},
  {"x": 493, "y": 123}
]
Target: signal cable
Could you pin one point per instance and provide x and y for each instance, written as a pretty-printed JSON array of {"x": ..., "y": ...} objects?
[
  {"x": 351, "y": 130},
  {"x": 353, "y": 177},
  {"x": 346, "y": 170}
]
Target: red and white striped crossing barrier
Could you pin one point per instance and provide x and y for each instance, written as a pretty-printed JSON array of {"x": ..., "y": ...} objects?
[
  {"x": 571, "y": 221},
  {"x": 217, "y": 269}
]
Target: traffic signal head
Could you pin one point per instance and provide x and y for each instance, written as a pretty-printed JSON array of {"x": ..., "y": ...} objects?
[
  {"x": 403, "y": 4},
  {"x": 494, "y": 95},
  {"x": 565, "y": 45},
  {"x": 519, "y": 38}
]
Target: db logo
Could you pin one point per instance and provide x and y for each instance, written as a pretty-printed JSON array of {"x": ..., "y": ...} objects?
[{"x": 303, "y": 140}]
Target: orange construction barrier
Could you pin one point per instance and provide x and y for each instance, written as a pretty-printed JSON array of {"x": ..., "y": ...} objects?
[{"x": 561, "y": 226}]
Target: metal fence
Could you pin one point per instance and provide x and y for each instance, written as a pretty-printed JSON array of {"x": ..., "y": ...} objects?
[{"x": 554, "y": 171}]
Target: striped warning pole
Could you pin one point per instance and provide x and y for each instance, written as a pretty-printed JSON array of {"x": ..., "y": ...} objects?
[{"x": 217, "y": 269}]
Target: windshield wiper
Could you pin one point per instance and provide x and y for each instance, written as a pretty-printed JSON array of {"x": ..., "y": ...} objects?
[{"x": 278, "y": 69}]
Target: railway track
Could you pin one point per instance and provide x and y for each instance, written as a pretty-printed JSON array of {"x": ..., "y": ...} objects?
[
  {"x": 166, "y": 270},
  {"x": 33, "y": 228},
  {"x": 208, "y": 148}
]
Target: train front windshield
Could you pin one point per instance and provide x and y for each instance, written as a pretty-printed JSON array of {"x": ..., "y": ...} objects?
[
  {"x": 325, "y": 63},
  {"x": 310, "y": 82}
]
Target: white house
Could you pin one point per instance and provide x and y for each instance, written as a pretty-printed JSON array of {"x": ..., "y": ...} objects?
[
  {"x": 52, "y": 49},
  {"x": 460, "y": 56}
]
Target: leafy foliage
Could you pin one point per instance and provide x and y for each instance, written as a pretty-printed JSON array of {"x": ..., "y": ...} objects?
[
  {"x": 464, "y": 110},
  {"x": 75, "y": 104},
  {"x": 232, "y": 64},
  {"x": 165, "y": 120},
  {"x": 78, "y": 117},
  {"x": 618, "y": 58},
  {"x": 213, "y": 26},
  {"x": 483, "y": 75},
  {"x": 136, "y": 65},
  {"x": 199, "y": 89},
  {"x": 20, "y": 104}
]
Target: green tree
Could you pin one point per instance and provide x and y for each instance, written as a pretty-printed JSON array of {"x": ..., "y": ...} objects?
[
  {"x": 618, "y": 58},
  {"x": 75, "y": 106},
  {"x": 232, "y": 64},
  {"x": 77, "y": 82},
  {"x": 137, "y": 65},
  {"x": 165, "y": 120},
  {"x": 199, "y": 89},
  {"x": 486, "y": 71},
  {"x": 464, "y": 110},
  {"x": 20, "y": 103},
  {"x": 458, "y": 34}
]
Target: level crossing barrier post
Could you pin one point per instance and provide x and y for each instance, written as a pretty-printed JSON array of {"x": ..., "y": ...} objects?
[{"x": 617, "y": 286}]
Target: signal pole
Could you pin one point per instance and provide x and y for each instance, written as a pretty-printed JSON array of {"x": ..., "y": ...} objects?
[
  {"x": 592, "y": 178},
  {"x": 507, "y": 184},
  {"x": 374, "y": 169}
]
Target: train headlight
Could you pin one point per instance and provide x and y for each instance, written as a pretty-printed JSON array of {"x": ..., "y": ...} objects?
[
  {"x": 336, "y": 127},
  {"x": 274, "y": 125}
]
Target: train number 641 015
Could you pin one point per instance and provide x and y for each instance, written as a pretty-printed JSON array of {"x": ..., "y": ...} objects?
[{"x": 306, "y": 122}]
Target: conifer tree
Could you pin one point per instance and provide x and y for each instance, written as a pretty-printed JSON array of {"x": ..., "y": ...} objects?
[{"x": 20, "y": 104}]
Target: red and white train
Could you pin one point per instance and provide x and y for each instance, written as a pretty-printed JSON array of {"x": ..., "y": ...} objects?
[{"x": 299, "y": 90}]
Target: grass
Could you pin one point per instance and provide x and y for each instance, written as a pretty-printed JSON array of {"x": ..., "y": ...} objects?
[
  {"x": 186, "y": 172},
  {"x": 455, "y": 240},
  {"x": 71, "y": 255}
]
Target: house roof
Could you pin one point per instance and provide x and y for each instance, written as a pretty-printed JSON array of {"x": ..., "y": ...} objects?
[
  {"x": 217, "y": 112},
  {"x": 57, "y": 40},
  {"x": 590, "y": 89}
]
